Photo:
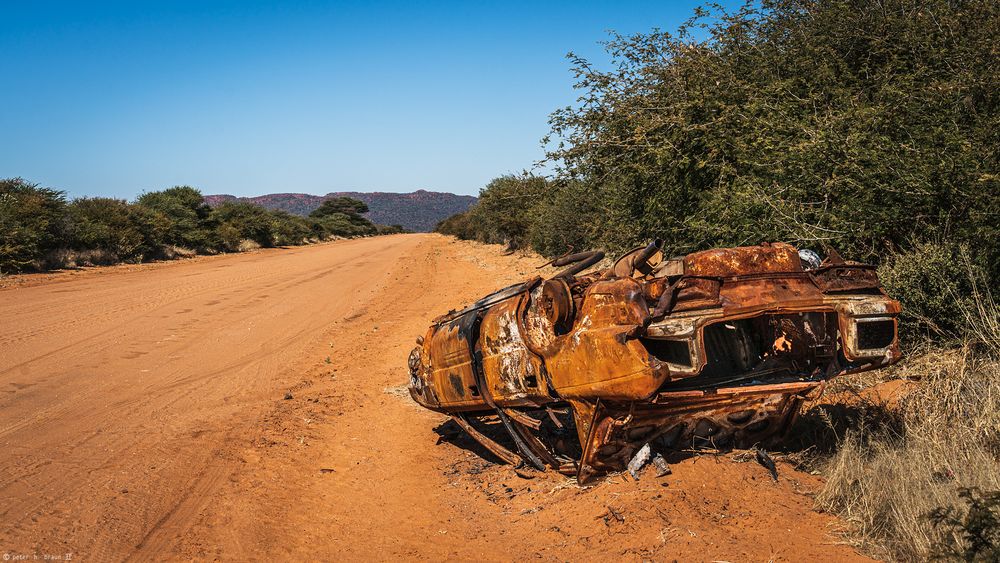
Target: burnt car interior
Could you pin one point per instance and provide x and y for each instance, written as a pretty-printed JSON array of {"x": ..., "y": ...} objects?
[{"x": 765, "y": 348}]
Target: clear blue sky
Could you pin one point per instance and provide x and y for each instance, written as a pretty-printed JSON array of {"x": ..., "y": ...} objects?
[{"x": 243, "y": 97}]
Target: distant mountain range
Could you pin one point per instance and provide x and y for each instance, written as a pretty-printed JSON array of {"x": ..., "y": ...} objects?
[{"x": 416, "y": 211}]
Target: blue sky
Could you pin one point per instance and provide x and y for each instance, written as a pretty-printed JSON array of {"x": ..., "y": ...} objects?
[{"x": 246, "y": 98}]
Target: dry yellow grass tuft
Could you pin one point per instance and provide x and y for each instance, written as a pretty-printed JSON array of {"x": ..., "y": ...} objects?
[
  {"x": 246, "y": 245},
  {"x": 902, "y": 461},
  {"x": 172, "y": 252},
  {"x": 66, "y": 258}
]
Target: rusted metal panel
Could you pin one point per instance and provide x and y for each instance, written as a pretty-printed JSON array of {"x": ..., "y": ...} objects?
[
  {"x": 845, "y": 278},
  {"x": 515, "y": 375},
  {"x": 745, "y": 260},
  {"x": 601, "y": 356},
  {"x": 498, "y": 450},
  {"x": 446, "y": 380},
  {"x": 715, "y": 348}
]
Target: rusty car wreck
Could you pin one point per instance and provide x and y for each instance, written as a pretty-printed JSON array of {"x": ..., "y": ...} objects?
[{"x": 716, "y": 348}]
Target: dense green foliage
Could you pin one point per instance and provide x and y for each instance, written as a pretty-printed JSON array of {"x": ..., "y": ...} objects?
[
  {"x": 342, "y": 205},
  {"x": 872, "y": 127},
  {"x": 39, "y": 229},
  {"x": 461, "y": 225},
  {"x": 864, "y": 125},
  {"x": 244, "y": 221},
  {"x": 979, "y": 527},
  {"x": 126, "y": 231},
  {"x": 936, "y": 281},
  {"x": 31, "y": 222},
  {"x": 191, "y": 223},
  {"x": 344, "y": 215}
]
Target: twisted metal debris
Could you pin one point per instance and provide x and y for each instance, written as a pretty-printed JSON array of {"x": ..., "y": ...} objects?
[{"x": 719, "y": 348}]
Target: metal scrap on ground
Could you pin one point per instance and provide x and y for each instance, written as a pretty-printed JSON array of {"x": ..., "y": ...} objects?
[
  {"x": 717, "y": 349},
  {"x": 765, "y": 460},
  {"x": 639, "y": 461}
]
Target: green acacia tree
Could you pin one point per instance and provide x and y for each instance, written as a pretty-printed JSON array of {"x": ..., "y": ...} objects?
[
  {"x": 341, "y": 216},
  {"x": 345, "y": 205},
  {"x": 240, "y": 220},
  {"x": 505, "y": 210},
  {"x": 865, "y": 125},
  {"x": 191, "y": 221},
  {"x": 130, "y": 232},
  {"x": 32, "y": 223}
]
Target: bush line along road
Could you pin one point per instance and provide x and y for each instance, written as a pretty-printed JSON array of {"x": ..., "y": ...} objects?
[{"x": 144, "y": 415}]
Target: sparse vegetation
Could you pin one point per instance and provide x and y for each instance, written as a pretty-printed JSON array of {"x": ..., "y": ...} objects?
[
  {"x": 40, "y": 230},
  {"x": 900, "y": 466},
  {"x": 920, "y": 477},
  {"x": 416, "y": 211}
]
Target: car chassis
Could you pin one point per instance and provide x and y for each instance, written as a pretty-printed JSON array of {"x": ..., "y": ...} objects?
[{"x": 718, "y": 348}]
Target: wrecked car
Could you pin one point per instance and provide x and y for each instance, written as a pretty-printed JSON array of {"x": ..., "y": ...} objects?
[{"x": 718, "y": 348}]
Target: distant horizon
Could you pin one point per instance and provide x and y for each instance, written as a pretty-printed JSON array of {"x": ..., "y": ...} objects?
[
  {"x": 341, "y": 192},
  {"x": 114, "y": 99}
]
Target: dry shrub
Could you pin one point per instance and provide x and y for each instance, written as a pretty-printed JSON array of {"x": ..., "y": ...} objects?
[
  {"x": 171, "y": 252},
  {"x": 983, "y": 317},
  {"x": 246, "y": 245},
  {"x": 65, "y": 258},
  {"x": 893, "y": 470},
  {"x": 56, "y": 260}
]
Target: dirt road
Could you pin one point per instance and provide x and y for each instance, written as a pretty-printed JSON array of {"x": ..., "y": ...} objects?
[{"x": 252, "y": 406}]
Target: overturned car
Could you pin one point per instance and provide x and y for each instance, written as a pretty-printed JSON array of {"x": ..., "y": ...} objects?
[{"x": 719, "y": 348}]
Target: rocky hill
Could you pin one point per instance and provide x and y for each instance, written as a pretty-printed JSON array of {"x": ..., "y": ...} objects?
[{"x": 416, "y": 211}]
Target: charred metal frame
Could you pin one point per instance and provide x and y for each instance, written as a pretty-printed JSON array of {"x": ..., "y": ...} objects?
[{"x": 717, "y": 348}]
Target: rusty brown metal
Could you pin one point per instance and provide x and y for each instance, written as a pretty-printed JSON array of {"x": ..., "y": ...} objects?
[
  {"x": 717, "y": 348},
  {"x": 498, "y": 450}
]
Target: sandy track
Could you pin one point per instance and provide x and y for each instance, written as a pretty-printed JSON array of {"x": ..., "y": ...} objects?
[{"x": 142, "y": 415}]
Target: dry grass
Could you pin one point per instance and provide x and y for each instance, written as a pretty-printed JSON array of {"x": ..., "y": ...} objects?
[
  {"x": 246, "y": 245},
  {"x": 171, "y": 252},
  {"x": 65, "y": 258},
  {"x": 901, "y": 461}
]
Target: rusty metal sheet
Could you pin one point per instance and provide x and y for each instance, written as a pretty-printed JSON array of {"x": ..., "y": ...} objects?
[
  {"x": 601, "y": 356},
  {"x": 744, "y": 260},
  {"x": 446, "y": 379},
  {"x": 516, "y": 377},
  {"x": 845, "y": 278}
]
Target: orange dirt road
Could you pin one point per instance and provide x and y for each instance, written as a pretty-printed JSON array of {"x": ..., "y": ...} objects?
[{"x": 144, "y": 415}]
